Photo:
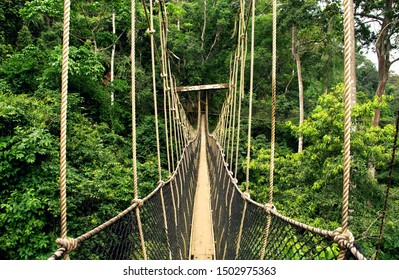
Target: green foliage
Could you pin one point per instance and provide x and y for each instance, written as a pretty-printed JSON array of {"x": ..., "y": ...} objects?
[
  {"x": 307, "y": 185},
  {"x": 22, "y": 68},
  {"x": 314, "y": 176},
  {"x": 28, "y": 172}
]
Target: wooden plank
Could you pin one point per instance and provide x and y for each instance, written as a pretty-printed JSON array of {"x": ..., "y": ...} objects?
[
  {"x": 202, "y": 87},
  {"x": 202, "y": 241}
]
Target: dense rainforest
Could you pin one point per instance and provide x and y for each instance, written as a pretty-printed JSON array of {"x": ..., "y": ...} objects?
[{"x": 201, "y": 36}]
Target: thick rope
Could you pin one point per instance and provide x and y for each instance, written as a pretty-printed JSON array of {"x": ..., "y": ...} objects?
[
  {"x": 243, "y": 42},
  {"x": 63, "y": 128},
  {"x": 134, "y": 147},
  {"x": 154, "y": 88},
  {"x": 243, "y": 55},
  {"x": 273, "y": 126},
  {"x": 246, "y": 194},
  {"x": 164, "y": 75},
  {"x": 235, "y": 81},
  {"x": 152, "y": 31},
  {"x": 229, "y": 135},
  {"x": 251, "y": 88},
  {"x": 350, "y": 90}
]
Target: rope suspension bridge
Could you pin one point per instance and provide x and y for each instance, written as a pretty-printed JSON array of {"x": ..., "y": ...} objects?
[{"x": 199, "y": 212}]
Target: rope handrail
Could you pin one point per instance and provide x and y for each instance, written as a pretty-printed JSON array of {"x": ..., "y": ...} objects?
[
  {"x": 339, "y": 236},
  {"x": 61, "y": 250}
]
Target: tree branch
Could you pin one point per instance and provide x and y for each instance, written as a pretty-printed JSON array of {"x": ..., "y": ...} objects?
[
  {"x": 377, "y": 18},
  {"x": 213, "y": 45},
  {"x": 393, "y": 61},
  {"x": 113, "y": 43}
]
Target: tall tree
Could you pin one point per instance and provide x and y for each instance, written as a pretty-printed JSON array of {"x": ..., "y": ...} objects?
[
  {"x": 381, "y": 15},
  {"x": 297, "y": 58}
]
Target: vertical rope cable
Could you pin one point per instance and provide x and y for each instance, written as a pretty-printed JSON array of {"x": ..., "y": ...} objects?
[
  {"x": 164, "y": 76},
  {"x": 152, "y": 31},
  {"x": 230, "y": 108},
  {"x": 350, "y": 90},
  {"x": 166, "y": 89},
  {"x": 241, "y": 93},
  {"x": 154, "y": 88},
  {"x": 235, "y": 80},
  {"x": 274, "y": 89},
  {"x": 251, "y": 87},
  {"x": 63, "y": 120},
  {"x": 133, "y": 95},
  {"x": 243, "y": 55},
  {"x": 273, "y": 126}
]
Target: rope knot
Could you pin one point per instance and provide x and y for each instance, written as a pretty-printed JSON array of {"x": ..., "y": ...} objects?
[
  {"x": 70, "y": 244},
  {"x": 151, "y": 31},
  {"x": 269, "y": 207},
  {"x": 342, "y": 236},
  {"x": 163, "y": 75},
  {"x": 245, "y": 195},
  {"x": 139, "y": 202}
]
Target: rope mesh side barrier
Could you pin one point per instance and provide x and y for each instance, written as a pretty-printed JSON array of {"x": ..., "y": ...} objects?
[
  {"x": 119, "y": 239},
  {"x": 287, "y": 238}
]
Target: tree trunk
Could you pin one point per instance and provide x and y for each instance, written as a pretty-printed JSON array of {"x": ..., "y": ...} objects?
[
  {"x": 113, "y": 57},
  {"x": 203, "y": 34},
  {"x": 383, "y": 47},
  {"x": 295, "y": 54}
]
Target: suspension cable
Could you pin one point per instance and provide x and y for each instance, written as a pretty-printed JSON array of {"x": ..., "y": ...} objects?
[
  {"x": 273, "y": 128},
  {"x": 251, "y": 87},
  {"x": 63, "y": 125},
  {"x": 154, "y": 88},
  {"x": 243, "y": 54},
  {"x": 134, "y": 148},
  {"x": 350, "y": 91}
]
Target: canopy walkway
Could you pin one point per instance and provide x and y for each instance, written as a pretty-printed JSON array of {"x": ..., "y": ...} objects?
[{"x": 199, "y": 212}]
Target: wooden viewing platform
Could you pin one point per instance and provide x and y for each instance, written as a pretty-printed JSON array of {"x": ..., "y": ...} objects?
[{"x": 202, "y": 87}]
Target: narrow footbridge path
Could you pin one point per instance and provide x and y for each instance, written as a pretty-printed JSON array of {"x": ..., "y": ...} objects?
[{"x": 202, "y": 241}]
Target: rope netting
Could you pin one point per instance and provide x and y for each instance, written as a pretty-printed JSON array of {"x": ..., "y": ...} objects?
[
  {"x": 288, "y": 239},
  {"x": 119, "y": 239}
]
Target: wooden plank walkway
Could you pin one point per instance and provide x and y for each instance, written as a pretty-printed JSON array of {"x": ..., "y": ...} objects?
[{"x": 202, "y": 242}]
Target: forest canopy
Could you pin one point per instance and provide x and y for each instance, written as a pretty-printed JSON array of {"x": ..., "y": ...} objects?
[{"x": 308, "y": 181}]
